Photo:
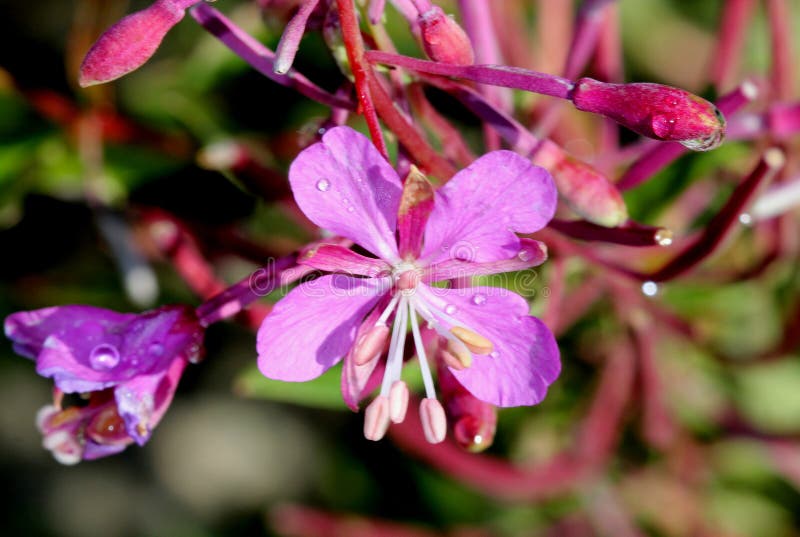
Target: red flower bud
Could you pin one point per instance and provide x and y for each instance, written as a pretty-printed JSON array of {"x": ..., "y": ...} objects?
[
  {"x": 654, "y": 110},
  {"x": 443, "y": 39}
]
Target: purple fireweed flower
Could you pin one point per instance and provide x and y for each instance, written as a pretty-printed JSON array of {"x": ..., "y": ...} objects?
[
  {"x": 495, "y": 349},
  {"x": 127, "y": 367},
  {"x": 129, "y": 43}
]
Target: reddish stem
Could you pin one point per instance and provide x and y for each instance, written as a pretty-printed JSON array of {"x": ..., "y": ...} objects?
[
  {"x": 631, "y": 234},
  {"x": 732, "y": 33},
  {"x": 782, "y": 69},
  {"x": 354, "y": 46},
  {"x": 453, "y": 144}
]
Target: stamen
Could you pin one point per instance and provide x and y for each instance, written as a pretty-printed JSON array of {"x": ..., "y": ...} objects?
[
  {"x": 434, "y": 421},
  {"x": 376, "y": 418},
  {"x": 459, "y": 353},
  {"x": 474, "y": 341},
  {"x": 394, "y": 362},
  {"x": 453, "y": 362},
  {"x": 427, "y": 379},
  {"x": 388, "y": 311},
  {"x": 398, "y": 401},
  {"x": 370, "y": 344}
]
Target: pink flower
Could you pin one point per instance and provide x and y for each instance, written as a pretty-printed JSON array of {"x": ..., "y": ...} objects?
[
  {"x": 125, "y": 365},
  {"x": 496, "y": 350}
]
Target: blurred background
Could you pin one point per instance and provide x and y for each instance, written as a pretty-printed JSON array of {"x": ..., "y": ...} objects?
[{"x": 237, "y": 455}]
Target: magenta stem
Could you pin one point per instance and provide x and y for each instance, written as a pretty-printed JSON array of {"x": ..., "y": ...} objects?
[
  {"x": 723, "y": 222},
  {"x": 495, "y": 75},
  {"x": 732, "y": 33},
  {"x": 782, "y": 69},
  {"x": 632, "y": 234},
  {"x": 260, "y": 57},
  {"x": 585, "y": 37},
  {"x": 243, "y": 293}
]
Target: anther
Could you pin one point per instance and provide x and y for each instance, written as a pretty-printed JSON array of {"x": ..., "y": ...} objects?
[
  {"x": 474, "y": 342},
  {"x": 398, "y": 401},
  {"x": 434, "y": 421},
  {"x": 376, "y": 418},
  {"x": 370, "y": 344},
  {"x": 457, "y": 356}
]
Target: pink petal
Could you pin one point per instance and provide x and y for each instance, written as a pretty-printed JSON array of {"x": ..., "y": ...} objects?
[
  {"x": 314, "y": 326},
  {"x": 344, "y": 185},
  {"x": 412, "y": 215},
  {"x": 478, "y": 211},
  {"x": 531, "y": 253},
  {"x": 525, "y": 360},
  {"x": 335, "y": 258}
]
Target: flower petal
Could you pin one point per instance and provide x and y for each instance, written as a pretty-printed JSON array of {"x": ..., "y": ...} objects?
[
  {"x": 525, "y": 360},
  {"x": 314, "y": 326},
  {"x": 531, "y": 253},
  {"x": 477, "y": 212},
  {"x": 360, "y": 380},
  {"x": 335, "y": 258},
  {"x": 143, "y": 401},
  {"x": 344, "y": 185}
]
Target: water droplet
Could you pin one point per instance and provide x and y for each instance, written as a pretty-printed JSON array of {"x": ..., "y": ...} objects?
[
  {"x": 323, "y": 185},
  {"x": 450, "y": 309},
  {"x": 650, "y": 288},
  {"x": 494, "y": 354},
  {"x": 104, "y": 357},
  {"x": 745, "y": 219},
  {"x": 479, "y": 299},
  {"x": 156, "y": 349},
  {"x": 664, "y": 237},
  {"x": 524, "y": 255},
  {"x": 351, "y": 209}
]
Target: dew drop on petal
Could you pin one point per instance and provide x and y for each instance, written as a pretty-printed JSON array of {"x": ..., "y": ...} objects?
[
  {"x": 323, "y": 185},
  {"x": 156, "y": 349},
  {"x": 524, "y": 255},
  {"x": 450, "y": 309},
  {"x": 479, "y": 299},
  {"x": 104, "y": 357},
  {"x": 351, "y": 209},
  {"x": 494, "y": 354}
]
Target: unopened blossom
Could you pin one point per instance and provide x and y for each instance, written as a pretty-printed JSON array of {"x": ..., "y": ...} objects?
[
  {"x": 495, "y": 350},
  {"x": 443, "y": 39},
  {"x": 125, "y": 366},
  {"x": 129, "y": 43}
]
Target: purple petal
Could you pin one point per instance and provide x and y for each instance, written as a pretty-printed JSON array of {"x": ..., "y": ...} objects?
[
  {"x": 477, "y": 212},
  {"x": 314, "y": 326},
  {"x": 344, "y": 185},
  {"x": 525, "y": 360},
  {"x": 531, "y": 253},
  {"x": 335, "y": 258},
  {"x": 143, "y": 401},
  {"x": 86, "y": 349}
]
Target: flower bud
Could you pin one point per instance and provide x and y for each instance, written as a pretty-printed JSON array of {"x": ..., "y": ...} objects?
[
  {"x": 443, "y": 39},
  {"x": 584, "y": 189},
  {"x": 654, "y": 110},
  {"x": 129, "y": 43}
]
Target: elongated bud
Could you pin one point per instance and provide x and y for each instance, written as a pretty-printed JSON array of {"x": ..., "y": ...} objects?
[
  {"x": 654, "y": 110},
  {"x": 129, "y": 43},
  {"x": 584, "y": 189},
  {"x": 443, "y": 39}
]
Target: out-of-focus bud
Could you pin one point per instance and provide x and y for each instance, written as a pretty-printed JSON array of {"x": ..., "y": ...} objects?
[
  {"x": 654, "y": 110},
  {"x": 443, "y": 39},
  {"x": 473, "y": 421},
  {"x": 129, "y": 43},
  {"x": 584, "y": 189}
]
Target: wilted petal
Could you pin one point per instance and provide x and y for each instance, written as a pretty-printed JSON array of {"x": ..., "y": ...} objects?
[
  {"x": 477, "y": 212},
  {"x": 344, "y": 185},
  {"x": 525, "y": 359},
  {"x": 314, "y": 326}
]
